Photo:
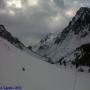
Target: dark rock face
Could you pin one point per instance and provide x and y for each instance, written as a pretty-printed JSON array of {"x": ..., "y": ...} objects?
[
  {"x": 29, "y": 47},
  {"x": 63, "y": 35},
  {"x": 81, "y": 19},
  {"x": 6, "y": 35},
  {"x": 84, "y": 57}
]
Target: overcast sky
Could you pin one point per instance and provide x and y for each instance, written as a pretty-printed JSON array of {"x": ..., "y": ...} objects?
[{"x": 31, "y": 19}]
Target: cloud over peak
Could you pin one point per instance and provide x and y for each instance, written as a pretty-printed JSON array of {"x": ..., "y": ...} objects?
[{"x": 38, "y": 16}]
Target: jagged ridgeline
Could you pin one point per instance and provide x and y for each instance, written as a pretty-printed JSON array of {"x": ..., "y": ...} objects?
[
  {"x": 72, "y": 45},
  {"x": 8, "y": 36}
]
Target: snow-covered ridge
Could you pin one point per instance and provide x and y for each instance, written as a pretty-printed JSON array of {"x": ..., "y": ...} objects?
[{"x": 8, "y": 36}]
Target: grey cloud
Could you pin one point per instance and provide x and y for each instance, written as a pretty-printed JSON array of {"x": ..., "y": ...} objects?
[
  {"x": 2, "y": 4},
  {"x": 59, "y": 3}
]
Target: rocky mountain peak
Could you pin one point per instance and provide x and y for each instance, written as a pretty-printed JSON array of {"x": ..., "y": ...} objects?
[
  {"x": 78, "y": 24},
  {"x": 81, "y": 19},
  {"x": 2, "y": 28},
  {"x": 83, "y": 10}
]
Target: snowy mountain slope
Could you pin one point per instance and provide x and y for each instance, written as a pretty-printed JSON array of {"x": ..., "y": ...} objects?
[
  {"x": 15, "y": 41},
  {"x": 20, "y": 69},
  {"x": 76, "y": 34},
  {"x": 45, "y": 43}
]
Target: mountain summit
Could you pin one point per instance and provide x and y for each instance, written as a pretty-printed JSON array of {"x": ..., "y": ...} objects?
[{"x": 72, "y": 45}]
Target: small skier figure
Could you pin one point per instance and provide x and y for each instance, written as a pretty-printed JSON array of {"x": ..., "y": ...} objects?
[
  {"x": 64, "y": 62},
  {"x": 23, "y": 69}
]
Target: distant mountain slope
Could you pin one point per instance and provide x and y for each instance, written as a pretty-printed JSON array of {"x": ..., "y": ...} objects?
[
  {"x": 17, "y": 69},
  {"x": 8, "y": 36},
  {"x": 63, "y": 46}
]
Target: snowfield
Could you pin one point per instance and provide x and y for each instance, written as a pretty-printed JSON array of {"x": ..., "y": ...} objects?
[{"x": 38, "y": 75}]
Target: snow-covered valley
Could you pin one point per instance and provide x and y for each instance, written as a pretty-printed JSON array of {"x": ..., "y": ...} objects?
[{"x": 38, "y": 75}]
